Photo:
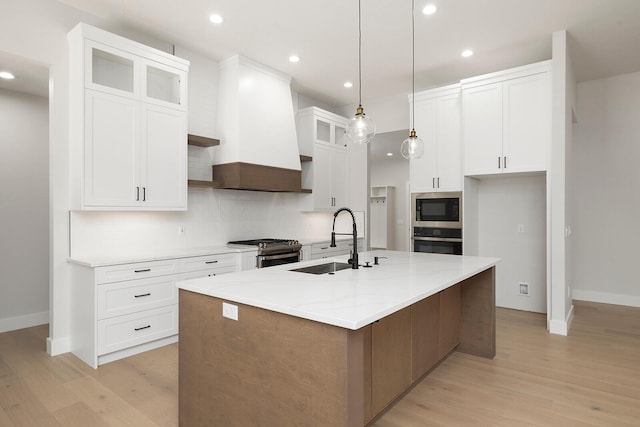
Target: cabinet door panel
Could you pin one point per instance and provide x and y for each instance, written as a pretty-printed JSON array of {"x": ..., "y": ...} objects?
[
  {"x": 322, "y": 177},
  {"x": 340, "y": 178},
  {"x": 449, "y": 334},
  {"x": 390, "y": 358},
  {"x": 111, "y": 155},
  {"x": 423, "y": 171},
  {"x": 482, "y": 116},
  {"x": 164, "y": 85},
  {"x": 111, "y": 70},
  {"x": 164, "y": 170},
  {"x": 527, "y": 123},
  {"x": 449, "y": 148},
  {"x": 425, "y": 327}
]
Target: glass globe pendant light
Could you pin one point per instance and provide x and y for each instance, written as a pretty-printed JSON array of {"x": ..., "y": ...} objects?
[
  {"x": 361, "y": 129},
  {"x": 413, "y": 146}
]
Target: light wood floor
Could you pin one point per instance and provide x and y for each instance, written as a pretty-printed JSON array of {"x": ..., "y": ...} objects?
[{"x": 590, "y": 378}]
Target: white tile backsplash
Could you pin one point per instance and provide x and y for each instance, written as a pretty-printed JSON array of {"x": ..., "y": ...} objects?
[{"x": 213, "y": 217}]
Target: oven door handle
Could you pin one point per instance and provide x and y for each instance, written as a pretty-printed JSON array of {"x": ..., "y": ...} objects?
[
  {"x": 438, "y": 239},
  {"x": 279, "y": 256}
]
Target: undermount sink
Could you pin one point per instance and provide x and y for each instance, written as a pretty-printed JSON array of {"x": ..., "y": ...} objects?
[{"x": 330, "y": 267}]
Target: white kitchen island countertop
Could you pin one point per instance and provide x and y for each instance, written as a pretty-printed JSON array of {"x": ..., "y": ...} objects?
[{"x": 349, "y": 298}]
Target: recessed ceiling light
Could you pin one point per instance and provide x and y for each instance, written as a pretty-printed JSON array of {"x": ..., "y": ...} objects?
[
  {"x": 216, "y": 19},
  {"x": 294, "y": 58},
  {"x": 390, "y": 154},
  {"x": 429, "y": 9},
  {"x": 348, "y": 85},
  {"x": 6, "y": 75},
  {"x": 466, "y": 53}
]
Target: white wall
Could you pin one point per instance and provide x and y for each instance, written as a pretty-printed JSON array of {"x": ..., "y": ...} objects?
[
  {"x": 512, "y": 226},
  {"x": 606, "y": 203},
  {"x": 24, "y": 186},
  {"x": 560, "y": 307},
  {"x": 395, "y": 172}
]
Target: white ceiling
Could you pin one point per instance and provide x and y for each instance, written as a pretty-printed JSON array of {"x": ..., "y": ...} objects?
[{"x": 604, "y": 34}]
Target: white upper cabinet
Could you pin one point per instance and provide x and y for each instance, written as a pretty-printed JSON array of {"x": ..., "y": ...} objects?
[
  {"x": 128, "y": 124},
  {"x": 438, "y": 124},
  {"x": 315, "y": 125},
  {"x": 507, "y": 121},
  {"x": 321, "y": 136}
]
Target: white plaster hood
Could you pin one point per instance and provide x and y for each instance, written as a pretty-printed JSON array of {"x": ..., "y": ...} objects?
[{"x": 256, "y": 124}]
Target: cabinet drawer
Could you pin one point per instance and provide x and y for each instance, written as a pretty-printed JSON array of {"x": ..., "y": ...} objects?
[
  {"x": 209, "y": 272},
  {"x": 115, "y": 299},
  {"x": 207, "y": 262},
  {"x": 322, "y": 248},
  {"x": 133, "y": 329},
  {"x": 138, "y": 270}
]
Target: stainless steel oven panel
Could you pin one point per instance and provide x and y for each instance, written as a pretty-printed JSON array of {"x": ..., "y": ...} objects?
[
  {"x": 436, "y": 224},
  {"x": 270, "y": 260},
  {"x": 437, "y": 245},
  {"x": 438, "y": 239}
]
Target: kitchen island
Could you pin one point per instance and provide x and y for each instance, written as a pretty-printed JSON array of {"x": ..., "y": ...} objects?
[{"x": 281, "y": 347}]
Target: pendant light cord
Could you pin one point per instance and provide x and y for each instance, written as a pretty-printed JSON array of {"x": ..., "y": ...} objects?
[
  {"x": 413, "y": 66},
  {"x": 359, "y": 53}
]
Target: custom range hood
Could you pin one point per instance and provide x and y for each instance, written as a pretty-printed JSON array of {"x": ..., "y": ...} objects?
[{"x": 256, "y": 123}]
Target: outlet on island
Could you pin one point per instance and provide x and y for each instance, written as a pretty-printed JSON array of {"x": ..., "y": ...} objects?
[{"x": 229, "y": 311}]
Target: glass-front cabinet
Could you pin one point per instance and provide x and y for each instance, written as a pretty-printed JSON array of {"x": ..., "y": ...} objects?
[
  {"x": 128, "y": 117},
  {"x": 116, "y": 71}
]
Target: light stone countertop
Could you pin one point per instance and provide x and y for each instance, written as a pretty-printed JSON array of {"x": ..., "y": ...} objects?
[
  {"x": 102, "y": 261},
  {"x": 349, "y": 298}
]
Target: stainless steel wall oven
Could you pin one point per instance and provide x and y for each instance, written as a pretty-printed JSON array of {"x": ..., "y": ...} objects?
[{"x": 436, "y": 221}]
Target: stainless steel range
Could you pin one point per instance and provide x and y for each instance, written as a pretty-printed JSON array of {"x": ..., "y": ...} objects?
[{"x": 273, "y": 251}]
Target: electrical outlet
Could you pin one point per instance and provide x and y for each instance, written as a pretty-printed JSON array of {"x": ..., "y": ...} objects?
[
  {"x": 524, "y": 289},
  {"x": 520, "y": 228},
  {"x": 229, "y": 311}
]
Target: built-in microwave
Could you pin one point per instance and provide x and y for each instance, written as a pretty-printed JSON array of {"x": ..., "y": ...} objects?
[{"x": 442, "y": 210}]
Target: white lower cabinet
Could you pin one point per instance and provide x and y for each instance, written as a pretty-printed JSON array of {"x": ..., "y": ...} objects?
[
  {"x": 343, "y": 247},
  {"x": 127, "y": 331},
  {"x": 125, "y": 309}
]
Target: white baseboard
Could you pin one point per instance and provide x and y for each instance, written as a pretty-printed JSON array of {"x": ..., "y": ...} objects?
[
  {"x": 58, "y": 346},
  {"x": 561, "y": 327},
  {"x": 25, "y": 321},
  {"x": 606, "y": 298}
]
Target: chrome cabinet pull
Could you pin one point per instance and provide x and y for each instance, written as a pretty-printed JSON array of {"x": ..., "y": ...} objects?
[
  {"x": 505, "y": 162},
  {"x": 142, "y": 271},
  {"x": 498, "y": 162},
  {"x": 438, "y": 182},
  {"x": 211, "y": 262},
  {"x": 144, "y": 194},
  {"x": 433, "y": 183},
  {"x": 141, "y": 328},
  {"x": 142, "y": 295},
  {"x": 137, "y": 194}
]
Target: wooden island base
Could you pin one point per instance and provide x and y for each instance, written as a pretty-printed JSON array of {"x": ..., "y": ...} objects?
[{"x": 273, "y": 369}]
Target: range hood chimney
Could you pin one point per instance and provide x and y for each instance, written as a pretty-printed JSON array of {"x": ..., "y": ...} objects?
[{"x": 256, "y": 123}]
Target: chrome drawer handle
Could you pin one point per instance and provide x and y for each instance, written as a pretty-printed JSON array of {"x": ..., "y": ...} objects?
[
  {"x": 142, "y": 271},
  {"x": 211, "y": 262},
  {"x": 142, "y": 295},
  {"x": 143, "y": 327}
]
